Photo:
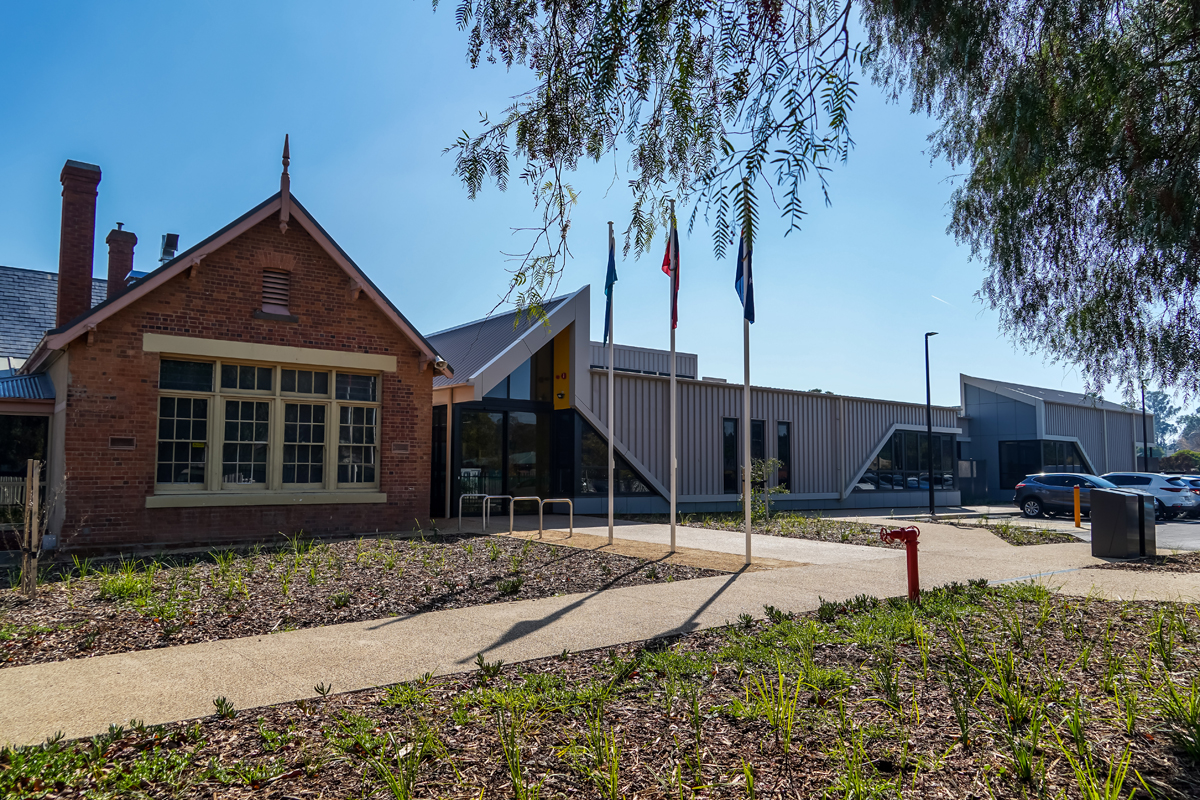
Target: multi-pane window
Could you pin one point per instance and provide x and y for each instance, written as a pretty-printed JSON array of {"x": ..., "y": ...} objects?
[
  {"x": 233, "y": 426},
  {"x": 355, "y": 387},
  {"x": 235, "y": 376},
  {"x": 304, "y": 381},
  {"x": 303, "y": 443},
  {"x": 247, "y": 428},
  {"x": 356, "y": 445},
  {"x": 903, "y": 463},
  {"x": 182, "y": 439}
]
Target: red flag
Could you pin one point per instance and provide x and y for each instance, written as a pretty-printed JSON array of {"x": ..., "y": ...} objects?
[{"x": 670, "y": 267}]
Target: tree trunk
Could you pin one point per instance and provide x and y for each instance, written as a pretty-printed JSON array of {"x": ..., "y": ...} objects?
[{"x": 31, "y": 540}]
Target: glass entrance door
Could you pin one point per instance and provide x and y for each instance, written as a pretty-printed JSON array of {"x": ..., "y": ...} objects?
[
  {"x": 528, "y": 454},
  {"x": 482, "y": 464}
]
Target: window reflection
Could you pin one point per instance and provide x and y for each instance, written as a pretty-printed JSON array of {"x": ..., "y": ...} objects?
[{"x": 903, "y": 464}]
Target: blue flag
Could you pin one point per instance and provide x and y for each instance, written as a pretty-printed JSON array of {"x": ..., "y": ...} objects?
[
  {"x": 743, "y": 281},
  {"x": 609, "y": 280}
]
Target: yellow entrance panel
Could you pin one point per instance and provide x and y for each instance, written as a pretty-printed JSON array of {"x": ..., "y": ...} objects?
[{"x": 562, "y": 369}]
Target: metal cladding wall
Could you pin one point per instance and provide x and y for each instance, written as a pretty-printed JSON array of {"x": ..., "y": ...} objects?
[
  {"x": 644, "y": 360},
  {"x": 1088, "y": 425},
  {"x": 832, "y": 437},
  {"x": 1123, "y": 431}
]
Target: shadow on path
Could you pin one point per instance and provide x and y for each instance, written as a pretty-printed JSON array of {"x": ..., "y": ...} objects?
[{"x": 530, "y": 626}]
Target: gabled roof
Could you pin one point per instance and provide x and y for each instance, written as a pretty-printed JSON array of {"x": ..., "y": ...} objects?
[
  {"x": 28, "y": 299},
  {"x": 473, "y": 345},
  {"x": 60, "y": 337},
  {"x": 1032, "y": 393}
]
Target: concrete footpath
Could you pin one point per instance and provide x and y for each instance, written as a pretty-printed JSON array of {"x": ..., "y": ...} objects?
[{"x": 82, "y": 697}]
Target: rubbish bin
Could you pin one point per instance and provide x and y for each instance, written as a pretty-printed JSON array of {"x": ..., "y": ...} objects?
[{"x": 1122, "y": 524}]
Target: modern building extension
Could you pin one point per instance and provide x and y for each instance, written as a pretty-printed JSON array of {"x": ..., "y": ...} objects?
[{"x": 1012, "y": 430}]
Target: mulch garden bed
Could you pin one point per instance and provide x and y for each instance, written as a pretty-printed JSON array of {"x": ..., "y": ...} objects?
[
  {"x": 1018, "y": 535},
  {"x": 1001, "y": 693},
  {"x": 783, "y": 523},
  {"x": 139, "y": 605},
  {"x": 1180, "y": 562}
]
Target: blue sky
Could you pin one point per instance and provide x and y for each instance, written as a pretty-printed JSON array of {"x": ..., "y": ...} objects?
[{"x": 184, "y": 107}]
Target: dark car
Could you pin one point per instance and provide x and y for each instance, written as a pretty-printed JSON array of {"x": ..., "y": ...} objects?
[{"x": 1050, "y": 493}]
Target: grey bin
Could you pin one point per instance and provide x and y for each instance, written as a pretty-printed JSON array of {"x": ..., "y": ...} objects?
[{"x": 1122, "y": 524}]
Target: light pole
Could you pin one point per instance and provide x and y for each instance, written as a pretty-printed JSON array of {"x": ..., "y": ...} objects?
[
  {"x": 929, "y": 424},
  {"x": 1145, "y": 434}
]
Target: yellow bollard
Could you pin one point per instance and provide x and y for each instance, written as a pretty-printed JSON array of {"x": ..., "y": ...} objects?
[{"x": 1077, "y": 523}]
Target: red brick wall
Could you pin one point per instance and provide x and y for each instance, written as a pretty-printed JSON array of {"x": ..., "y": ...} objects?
[{"x": 114, "y": 392}]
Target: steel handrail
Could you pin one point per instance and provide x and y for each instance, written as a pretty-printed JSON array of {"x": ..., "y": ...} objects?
[{"x": 542, "y": 503}]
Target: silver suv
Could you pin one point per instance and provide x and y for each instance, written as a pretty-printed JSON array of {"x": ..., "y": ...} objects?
[{"x": 1173, "y": 495}]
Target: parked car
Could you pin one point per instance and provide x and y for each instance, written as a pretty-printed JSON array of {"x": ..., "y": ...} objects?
[
  {"x": 1050, "y": 493},
  {"x": 1194, "y": 482},
  {"x": 1174, "y": 496}
]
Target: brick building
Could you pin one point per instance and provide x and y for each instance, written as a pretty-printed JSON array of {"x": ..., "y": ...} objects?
[{"x": 256, "y": 384}]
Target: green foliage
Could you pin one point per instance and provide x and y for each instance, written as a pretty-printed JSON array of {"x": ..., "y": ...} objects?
[
  {"x": 128, "y": 581},
  {"x": 225, "y": 709},
  {"x": 715, "y": 101},
  {"x": 1075, "y": 124}
]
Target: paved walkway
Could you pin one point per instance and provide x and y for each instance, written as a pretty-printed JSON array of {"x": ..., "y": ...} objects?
[{"x": 81, "y": 697}]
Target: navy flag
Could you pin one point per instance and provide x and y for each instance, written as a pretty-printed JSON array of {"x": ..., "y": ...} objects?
[
  {"x": 744, "y": 279},
  {"x": 609, "y": 280}
]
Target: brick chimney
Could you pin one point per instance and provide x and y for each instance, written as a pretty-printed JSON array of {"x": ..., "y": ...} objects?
[
  {"x": 120, "y": 259},
  {"x": 79, "y": 183}
]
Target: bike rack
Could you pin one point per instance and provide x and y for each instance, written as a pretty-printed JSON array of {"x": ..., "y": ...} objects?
[
  {"x": 462, "y": 497},
  {"x": 487, "y": 501},
  {"x": 487, "y": 504},
  {"x": 513, "y": 502},
  {"x": 542, "y": 503}
]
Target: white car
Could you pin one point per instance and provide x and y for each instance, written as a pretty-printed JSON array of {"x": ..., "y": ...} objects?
[
  {"x": 1194, "y": 482},
  {"x": 1174, "y": 495}
]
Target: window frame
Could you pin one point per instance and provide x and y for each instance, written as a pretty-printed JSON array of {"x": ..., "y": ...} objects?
[{"x": 277, "y": 400}]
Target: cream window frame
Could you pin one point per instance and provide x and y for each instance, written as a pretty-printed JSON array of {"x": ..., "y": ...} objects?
[
  {"x": 185, "y": 488},
  {"x": 214, "y": 484},
  {"x": 335, "y": 434}
]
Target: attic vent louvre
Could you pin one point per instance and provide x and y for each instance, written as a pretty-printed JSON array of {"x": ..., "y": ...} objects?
[{"x": 276, "y": 286}]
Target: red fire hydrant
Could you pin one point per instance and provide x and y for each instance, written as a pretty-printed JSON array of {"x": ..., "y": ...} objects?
[{"x": 909, "y": 537}]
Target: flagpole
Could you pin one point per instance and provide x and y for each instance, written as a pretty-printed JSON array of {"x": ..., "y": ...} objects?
[
  {"x": 674, "y": 459},
  {"x": 612, "y": 409},
  {"x": 746, "y": 495}
]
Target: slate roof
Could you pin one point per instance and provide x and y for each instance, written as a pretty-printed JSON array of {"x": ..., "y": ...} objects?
[
  {"x": 27, "y": 387},
  {"x": 27, "y": 302},
  {"x": 472, "y": 346},
  {"x": 1053, "y": 395}
]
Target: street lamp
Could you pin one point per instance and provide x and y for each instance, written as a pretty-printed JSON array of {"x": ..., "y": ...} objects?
[
  {"x": 1145, "y": 430},
  {"x": 929, "y": 424}
]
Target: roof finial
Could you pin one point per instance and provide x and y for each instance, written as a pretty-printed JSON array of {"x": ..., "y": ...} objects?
[{"x": 285, "y": 188}]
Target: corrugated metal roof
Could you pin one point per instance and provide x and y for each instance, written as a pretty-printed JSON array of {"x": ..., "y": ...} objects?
[
  {"x": 27, "y": 387},
  {"x": 28, "y": 298},
  {"x": 1054, "y": 395},
  {"x": 472, "y": 346}
]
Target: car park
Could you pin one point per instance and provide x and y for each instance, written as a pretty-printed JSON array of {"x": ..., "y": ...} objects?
[
  {"x": 1050, "y": 493},
  {"x": 1174, "y": 496}
]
